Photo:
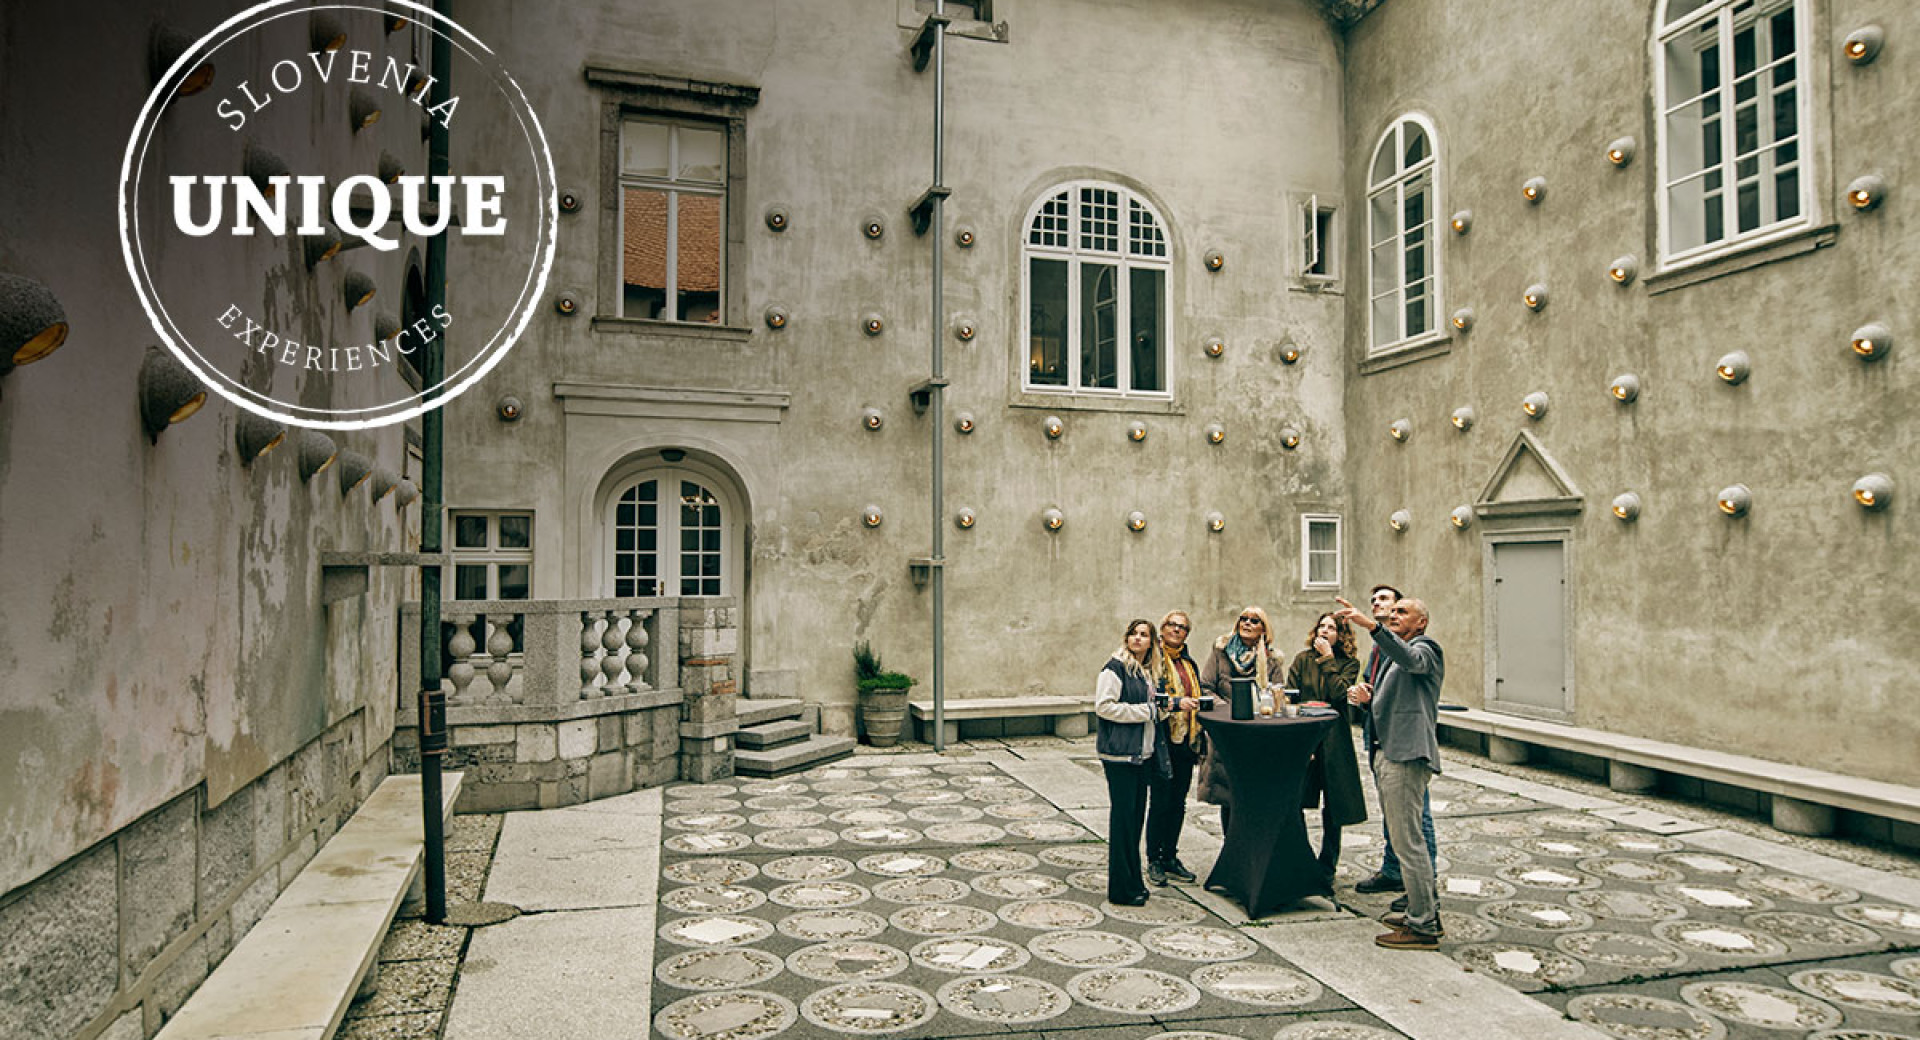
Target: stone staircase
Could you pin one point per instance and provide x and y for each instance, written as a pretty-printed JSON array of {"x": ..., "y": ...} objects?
[{"x": 778, "y": 736}]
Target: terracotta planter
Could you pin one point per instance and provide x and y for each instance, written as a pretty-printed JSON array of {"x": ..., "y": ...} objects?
[{"x": 882, "y": 713}]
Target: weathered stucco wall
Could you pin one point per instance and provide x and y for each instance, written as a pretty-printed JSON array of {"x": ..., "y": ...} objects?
[
  {"x": 1780, "y": 635},
  {"x": 1216, "y": 112}
]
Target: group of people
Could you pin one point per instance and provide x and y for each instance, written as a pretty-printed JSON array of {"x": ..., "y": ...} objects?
[{"x": 1148, "y": 697}]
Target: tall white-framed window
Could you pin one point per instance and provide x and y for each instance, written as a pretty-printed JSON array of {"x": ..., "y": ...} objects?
[
  {"x": 673, "y": 194},
  {"x": 1319, "y": 241},
  {"x": 673, "y": 531},
  {"x": 1319, "y": 551},
  {"x": 1733, "y": 111},
  {"x": 1095, "y": 271},
  {"x": 492, "y": 554},
  {"x": 1403, "y": 259}
]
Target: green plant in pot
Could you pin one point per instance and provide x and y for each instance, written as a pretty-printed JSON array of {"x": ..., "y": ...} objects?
[{"x": 883, "y": 696}]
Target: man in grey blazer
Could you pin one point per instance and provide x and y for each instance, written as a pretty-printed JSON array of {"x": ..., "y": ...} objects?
[{"x": 1406, "y": 726}]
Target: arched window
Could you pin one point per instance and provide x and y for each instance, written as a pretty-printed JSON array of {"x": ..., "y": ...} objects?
[
  {"x": 1403, "y": 261},
  {"x": 1732, "y": 106},
  {"x": 674, "y": 532},
  {"x": 1095, "y": 262}
]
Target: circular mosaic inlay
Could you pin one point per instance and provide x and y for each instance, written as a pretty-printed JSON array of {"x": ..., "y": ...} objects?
[
  {"x": 1726, "y": 940},
  {"x": 1520, "y": 963},
  {"x": 853, "y": 801},
  {"x": 1630, "y": 1016},
  {"x": 1268, "y": 985},
  {"x": 808, "y": 868},
  {"x": 831, "y": 925},
  {"x": 1797, "y": 928},
  {"x": 708, "y": 842},
  {"x": 964, "y": 833},
  {"x": 1559, "y": 847},
  {"x": 1881, "y": 915},
  {"x": 843, "y": 786},
  {"x": 927, "y": 798},
  {"x": 1164, "y": 910},
  {"x": 700, "y": 791},
  {"x": 1134, "y": 991},
  {"x": 1624, "y": 868},
  {"x": 760, "y": 787},
  {"x": 1493, "y": 800},
  {"x": 943, "y": 813},
  {"x": 1048, "y": 830},
  {"x": 703, "y": 805},
  {"x": 1768, "y": 1007},
  {"x": 1572, "y": 823},
  {"x": 1502, "y": 826},
  {"x": 715, "y": 930},
  {"x": 1554, "y": 878},
  {"x": 782, "y": 802},
  {"x": 869, "y": 817},
  {"x": 902, "y": 771},
  {"x": 1034, "y": 810},
  {"x": 1867, "y": 991},
  {"x": 1195, "y": 943},
  {"x": 709, "y": 871},
  {"x": 1907, "y": 968},
  {"x": 973, "y": 955},
  {"x": 1487, "y": 854},
  {"x": 869, "y": 1007},
  {"x": 1621, "y": 948},
  {"x": 796, "y": 838},
  {"x": 1050, "y": 914},
  {"x": 1085, "y": 949},
  {"x": 740, "y": 1014},
  {"x": 849, "y": 961},
  {"x": 942, "y": 919},
  {"x": 1545, "y": 917},
  {"x": 1627, "y": 905},
  {"x": 718, "y": 969},
  {"x": 819, "y": 895},
  {"x": 1009, "y": 885},
  {"x": 713, "y": 899},
  {"x": 921, "y": 890},
  {"x": 923, "y": 783},
  {"x": 967, "y": 769},
  {"x": 1799, "y": 889},
  {"x": 986, "y": 860},
  {"x": 1082, "y": 857},
  {"x": 1467, "y": 927},
  {"x": 1092, "y": 882},
  {"x": 1714, "y": 897},
  {"x": 1312, "y": 1031},
  {"x": 782, "y": 818},
  {"x": 999, "y": 795},
  {"x": 985, "y": 779},
  {"x": 1639, "y": 842},
  {"x": 1004, "y": 998},
  {"x": 1478, "y": 889},
  {"x": 1709, "y": 864},
  {"x": 883, "y": 834},
  {"x": 902, "y": 864}
]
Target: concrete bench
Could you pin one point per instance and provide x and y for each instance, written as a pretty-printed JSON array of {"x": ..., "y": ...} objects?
[
  {"x": 293, "y": 975},
  {"x": 1069, "y": 715},
  {"x": 1803, "y": 800}
]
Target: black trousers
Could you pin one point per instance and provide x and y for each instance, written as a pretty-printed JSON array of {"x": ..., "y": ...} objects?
[
  {"x": 1167, "y": 805},
  {"x": 1126, "y": 813}
]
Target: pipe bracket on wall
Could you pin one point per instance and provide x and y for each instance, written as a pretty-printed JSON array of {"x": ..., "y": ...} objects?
[
  {"x": 921, "y": 212},
  {"x": 922, "y": 46},
  {"x": 921, "y": 394}
]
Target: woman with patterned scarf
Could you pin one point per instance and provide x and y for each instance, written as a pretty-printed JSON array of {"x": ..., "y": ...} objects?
[
  {"x": 1178, "y": 682},
  {"x": 1244, "y": 653}
]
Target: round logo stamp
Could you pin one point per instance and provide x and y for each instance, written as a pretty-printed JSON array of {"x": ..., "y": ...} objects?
[{"x": 285, "y": 229}]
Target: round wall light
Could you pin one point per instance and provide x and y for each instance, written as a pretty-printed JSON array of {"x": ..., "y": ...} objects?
[
  {"x": 964, "y": 519},
  {"x": 1620, "y": 152},
  {"x": 354, "y": 470},
  {"x": 1289, "y": 438},
  {"x": 1136, "y": 521},
  {"x": 357, "y": 289},
  {"x": 1215, "y": 522},
  {"x": 1216, "y": 433},
  {"x": 1053, "y": 519},
  {"x": 1400, "y": 520},
  {"x": 1626, "y": 507},
  {"x": 1461, "y": 518},
  {"x": 1534, "y": 190},
  {"x": 1462, "y": 418},
  {"x": 1734, "y": 500},
  {"x": 168, "y": 392},
  {"x": 569, "y": 201},
  {"x": 1873, "y": 491},
  {"x": 509, "y": 408},
  {"x": 1863, "y": 44},
  {"x": 1401, "y": 430},
  {"x": 322, "y": 247},
  {"x": 871, "y": 419},
  {"x": 1136, "y": 431},
  {"x": 317, "y": 452},
  {"x": 1535, "y": 404},
  {"x": 567, "y": 302},
  {"x": 1463, "y": 319},
  {"x": 963, "y": 423},
  {"x": 363, "y": 109},
  {"x": 1463, "y": 222},
  {"x": 326, "y": 32},
  {"x": 1535, "y": 297},
  {"x": 1872, "y": 342},
  {"x": 1625, "y": 388},
  {"x": 1622, "y": 270},
  {"x": 873, "y": 324},
  {"x": 1053, "y": 427},
  {"x": 1215, "y": 347},
  {"x": 964, "y": 237},
  {"x": 384, "y": 481},
  {"x": 1215, "y": 260},
  {"x": 873, "y": 227},
  {"x": 166, "y": 46},
  {"x": 32, "y": 322},
  {"x": 776, "y": 217},
  {"x": 405, "y": 494},
  {"x": 872, "y": 516},
  {"x": 255, "y": 435},
  {"x": 262, "y": 165},
  {"x": 1291, "y": 353},
  {"x": 964, "y": 329},
  {"x": 775, "y": 316},
  {"x": 1733, "y": 368},
  {"x": 1867, "y": 192}
]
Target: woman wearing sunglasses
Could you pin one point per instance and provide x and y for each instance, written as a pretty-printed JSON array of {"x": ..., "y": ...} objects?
[
  {"x": 1131, "y": 743},
  {"x": 1244, "y": 653}
]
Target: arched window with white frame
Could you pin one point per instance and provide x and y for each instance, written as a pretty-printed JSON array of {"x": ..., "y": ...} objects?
[
  {"x": 1731, "y": 90},
  {"x": 1403, "y": 259},
  {"x": 1095, "y": 273}
]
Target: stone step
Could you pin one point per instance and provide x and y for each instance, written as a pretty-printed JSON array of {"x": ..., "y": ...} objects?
[
  {"x": 770, "y": 735},
  {"x": 813, "y": 751},
  {"x": 754, "y": 711}
]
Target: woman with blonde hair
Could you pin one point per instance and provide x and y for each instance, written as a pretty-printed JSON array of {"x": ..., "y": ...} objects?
[
  {"x": 1321, "y": 673},
  {"x": 1178, "y": 682},
  {"x": 1244, "y": 653},
  {"x": 1131, "y": 748}
]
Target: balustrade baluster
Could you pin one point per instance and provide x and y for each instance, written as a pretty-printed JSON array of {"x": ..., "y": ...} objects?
[
  {"x": 613, "y": 663},
  {"x": 499, "y": 646},
  {"x": 589, "y": 652},
  {"x": 460, "y": 648},
  {"x": 637, "y": 640}
]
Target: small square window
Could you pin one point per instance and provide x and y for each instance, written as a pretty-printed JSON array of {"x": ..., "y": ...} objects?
[{"x": 492, "y": 555}]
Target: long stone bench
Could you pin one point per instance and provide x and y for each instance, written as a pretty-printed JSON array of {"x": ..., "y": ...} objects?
[
  {"x": 1069, "y": 715},
  {"x": 293, "y": 975},
  {"x": 1803, "y": 800}
]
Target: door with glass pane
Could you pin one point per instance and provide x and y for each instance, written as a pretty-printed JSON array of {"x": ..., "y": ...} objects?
[{"x": 674, "y": 533}]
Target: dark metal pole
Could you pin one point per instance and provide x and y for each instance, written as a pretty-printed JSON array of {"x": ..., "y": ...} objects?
[
  {"x": 433, "y": 702},
  {"x": 939, "y": 560}
]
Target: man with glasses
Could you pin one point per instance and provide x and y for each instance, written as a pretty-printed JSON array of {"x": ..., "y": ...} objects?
[
  {"x": 1381, "y": 599},
  {"x": 1179, "y": 687}
]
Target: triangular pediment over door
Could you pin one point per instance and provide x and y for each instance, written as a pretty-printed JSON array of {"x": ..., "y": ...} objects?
[{"x": 1528, "y": 482}]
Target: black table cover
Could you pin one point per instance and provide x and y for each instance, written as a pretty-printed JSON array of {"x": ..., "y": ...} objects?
[{"x": 1266, "y": 862}]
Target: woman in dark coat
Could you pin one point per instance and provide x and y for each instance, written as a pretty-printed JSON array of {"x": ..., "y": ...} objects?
[
  {"x": 1244, "y": 653},
  {"x": 1322, "y": 672},
  {"x": 1131, "y": 742}
]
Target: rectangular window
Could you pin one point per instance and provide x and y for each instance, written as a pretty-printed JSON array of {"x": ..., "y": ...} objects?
[
  {"x": 1317, "y": 241},
  {"x": 673, "y": 186},
  {"x": 1319, "y": 551},
  {"x": 1047, "y": 322},
  {"x": 492, "y": 555}
]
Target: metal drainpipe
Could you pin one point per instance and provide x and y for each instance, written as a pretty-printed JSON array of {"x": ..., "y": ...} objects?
[
  {"x": 939, "y": 561},
  {"x": 433, "y": 701}
]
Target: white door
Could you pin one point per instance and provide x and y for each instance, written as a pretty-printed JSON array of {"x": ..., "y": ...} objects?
[
  {"x": 1530, "y": 673},
  {"x": 673, "y": 531}
]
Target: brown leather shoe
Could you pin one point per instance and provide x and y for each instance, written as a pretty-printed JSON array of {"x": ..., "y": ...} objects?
[
  {"x": 1399, "y": 920},
  {"x": 1407, "y": 939}
]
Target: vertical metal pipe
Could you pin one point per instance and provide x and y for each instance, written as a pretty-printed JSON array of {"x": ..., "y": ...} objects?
[
  {"x": 939, "y": 567},
  {"x": 433, "y": 702}
]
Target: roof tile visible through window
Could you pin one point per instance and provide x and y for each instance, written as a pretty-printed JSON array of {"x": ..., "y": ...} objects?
[{"x": 646, "y": 241}]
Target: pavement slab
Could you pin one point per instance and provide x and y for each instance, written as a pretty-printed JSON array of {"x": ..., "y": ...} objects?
[
  {"x": 579, "y": 858},
  {"x": 564, "y": 975}
]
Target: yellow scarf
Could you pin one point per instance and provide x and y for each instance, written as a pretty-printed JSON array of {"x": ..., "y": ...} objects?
[{"x": 1179, "y": 679}]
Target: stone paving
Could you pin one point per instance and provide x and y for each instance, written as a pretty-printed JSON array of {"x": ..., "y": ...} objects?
[{"x": 913, "y": 895}]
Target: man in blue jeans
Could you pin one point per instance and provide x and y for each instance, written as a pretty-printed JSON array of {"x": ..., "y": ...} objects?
[{"x": 1381, "y": 599}]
